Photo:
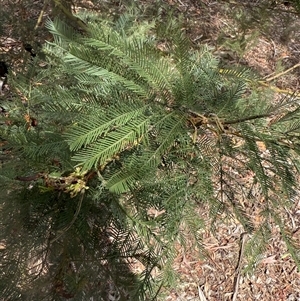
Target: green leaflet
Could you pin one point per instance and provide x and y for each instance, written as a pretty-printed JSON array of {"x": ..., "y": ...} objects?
[
  {"x": 100, "y": 125},
  {"x": 104, "y": 149}
]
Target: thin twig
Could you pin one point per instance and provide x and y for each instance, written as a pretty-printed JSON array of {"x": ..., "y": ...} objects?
[
  {"x": 282, "y": 73},
  {"x": 201, "y": 294},
  {"x": 238, "y": 268},
  {"x": 247, "y": 118},
  {"x": 41, "y": 15},
  {"x": 275, "y": 51},
  {"x": 30, "y": 178},
  {"x": 291, "y": 217}
]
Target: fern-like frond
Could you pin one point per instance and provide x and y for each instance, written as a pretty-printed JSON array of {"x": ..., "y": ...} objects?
[
  {"x": 138, "y": 57},
  {"x": 256, "y": 246},
  {"x": 106, "y": 148},
  {"x": 99, "y": 125},
  {"x": 81, "y": 65},
  {"x": 169, "y": 127},
  {"x": 291, "y": 244}
]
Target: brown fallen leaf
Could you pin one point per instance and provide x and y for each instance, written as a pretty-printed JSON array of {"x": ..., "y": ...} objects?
[{"x": 269, "y": 259}]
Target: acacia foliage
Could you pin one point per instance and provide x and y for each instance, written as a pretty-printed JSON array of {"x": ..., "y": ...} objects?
[{"x": 113, "y": 146}]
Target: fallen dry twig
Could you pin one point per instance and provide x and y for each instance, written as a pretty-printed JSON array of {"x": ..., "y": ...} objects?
[{"x": 238, "y": 268}]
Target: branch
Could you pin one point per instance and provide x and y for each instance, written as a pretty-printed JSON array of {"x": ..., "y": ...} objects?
[
  {"x": 247, "y": 118},
  {"x": 30, "y": 178},
  {"x": 213, "y": 118}
]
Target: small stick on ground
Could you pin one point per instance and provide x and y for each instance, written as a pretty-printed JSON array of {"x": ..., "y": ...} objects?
[
  {"x": 41, "y": 15},
  {"x": 238, "y": 268},
  {"x": 282, "y": 73},
  {"x": 201, "y": 294}
]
